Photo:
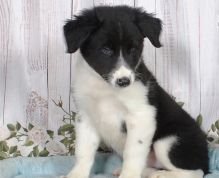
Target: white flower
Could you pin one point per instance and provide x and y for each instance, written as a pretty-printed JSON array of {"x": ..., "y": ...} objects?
[
  {"x": 56, "y": 148},
  {"x": 59, "y": 137},
  {"x": 38, "y": 135},
  {"x": 4, "y": 133},
  {"x": 12, "y": 142},
  {"x": 212, "y": 139},
  {"x": 25, "y": 150}
]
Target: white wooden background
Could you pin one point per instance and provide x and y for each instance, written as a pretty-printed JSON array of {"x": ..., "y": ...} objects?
[{"x": 34, "y": 67}]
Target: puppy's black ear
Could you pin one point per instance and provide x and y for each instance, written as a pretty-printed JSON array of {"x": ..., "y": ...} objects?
[
  {"x": 149, "y": 26},
  {"x": 78, "y": 30}
]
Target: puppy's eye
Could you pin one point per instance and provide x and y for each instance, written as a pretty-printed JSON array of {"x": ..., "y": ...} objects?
[
  {"x": 107, "y": 51},
  {"x": 133, "y": 50}
]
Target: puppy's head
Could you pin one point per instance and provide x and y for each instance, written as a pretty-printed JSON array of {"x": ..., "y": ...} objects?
[{"x": 111, "y": 40}]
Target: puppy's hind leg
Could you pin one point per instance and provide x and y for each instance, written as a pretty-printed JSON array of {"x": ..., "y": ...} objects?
[
  {"x": 147, "y": 172},
  {"x": 162, "y": 149},
  {"x": 177, "y": 174}
]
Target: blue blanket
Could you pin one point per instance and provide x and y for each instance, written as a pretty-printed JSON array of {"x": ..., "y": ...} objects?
[{"x": 53, "y": 167}]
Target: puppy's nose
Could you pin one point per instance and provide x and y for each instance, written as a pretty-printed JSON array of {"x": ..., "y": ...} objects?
[{"x": 123, "y": 82}]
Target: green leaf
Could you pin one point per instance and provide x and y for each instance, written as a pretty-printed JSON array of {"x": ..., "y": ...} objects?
[
  {"x": 71, "y": 151},
  {"x": 3, "y": 155},
  {"x": 217, "y": 124},
  {"x": 73, "y": 115},
  {"x": 50, "y": 133},
  {"x": 180, "y": 103},
  {"x": 12, "y": 149},
  {"x": 65, "y": 142},
  {"x": 199, "y": 120},
  {"x": 173, "y": 97},
  {"x": 18, "y": 126},
  {"x": 44, "y": 153},
  {"x": 11, "y": 127},
  {"x": 17, "y": 153},
  {"x": 5, "y": 146},
  {"x": 213, "y": 128},
  {"x": 12, "y": 134},
  {"x": 66, "y": 127},
  {"x": 30, "y": 126},
  {"x": 28, "y": 143},
  {"x": 73, "y": 136},
  {"x": 25, "y": 130},
  {"x": 71, "y": 141},
  {"x": 35, "y": 151},
  {"x": 30, "y": 154},
  {"x": 1, "y": 146},
  {"x": 60, "y": 132}
]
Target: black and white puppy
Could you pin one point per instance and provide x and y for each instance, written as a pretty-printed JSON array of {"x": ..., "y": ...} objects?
[{"x": 120, "y": 102}]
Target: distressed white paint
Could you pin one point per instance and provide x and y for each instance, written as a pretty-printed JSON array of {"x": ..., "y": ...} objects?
[
  {"x": 114, "y": 2},
  {"x": 177, "y": 63},
  {"x": 149, "y": 51},
  {"x": 166, "y": 57},
  {"x": 34, "y": 67},
  {"x": 58, "y": 60},
  {"x": 209, "y": 60},
  {"x": 17, "y": 63},
  {"x": 4, "y": 24},
  {"x": 187, "y": 86}
]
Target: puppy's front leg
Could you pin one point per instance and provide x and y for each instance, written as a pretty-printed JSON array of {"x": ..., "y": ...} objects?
[
  {"x": 87, "y": 142},
  {"x": 140, "y": 130}
]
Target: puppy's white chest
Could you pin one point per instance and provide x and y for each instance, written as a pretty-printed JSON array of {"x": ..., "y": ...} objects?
[{"x": 109, "y": 107}]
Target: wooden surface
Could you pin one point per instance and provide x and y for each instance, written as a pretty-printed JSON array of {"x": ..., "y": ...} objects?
[{"x": 34, "y": 68}]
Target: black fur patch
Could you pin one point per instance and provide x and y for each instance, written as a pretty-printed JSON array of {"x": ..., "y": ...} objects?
[
  {"x": 115, "y": 28},
  {"x": 123, "y": 127}
]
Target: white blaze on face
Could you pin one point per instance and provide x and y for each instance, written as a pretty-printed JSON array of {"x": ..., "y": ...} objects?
[{"x": 122, "y": 70}]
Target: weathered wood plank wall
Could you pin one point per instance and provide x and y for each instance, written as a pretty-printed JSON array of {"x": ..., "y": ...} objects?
[{"x": 34, "y": 68}]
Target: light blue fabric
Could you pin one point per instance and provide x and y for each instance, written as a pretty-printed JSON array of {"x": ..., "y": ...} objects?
[
  {"x": 214, "y": 160},
  {"x": 53, "y": 167},
  {"x": 213, "y": 175}
]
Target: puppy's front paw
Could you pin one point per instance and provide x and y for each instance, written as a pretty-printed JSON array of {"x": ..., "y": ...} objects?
[
  {"x": 129, "y": 175},
  {"x": 117, "y": 172},
  {"x": 162, "y": 174}
]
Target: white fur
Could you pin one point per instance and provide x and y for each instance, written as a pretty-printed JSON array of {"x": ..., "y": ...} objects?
[
  {"x": 85, "y": 148},
  {"x": 122, "y": 70},
  {"x": 102, "y": 109},
  {"x": 177, "y": 174},
  {"x": 162, "y": 149}
]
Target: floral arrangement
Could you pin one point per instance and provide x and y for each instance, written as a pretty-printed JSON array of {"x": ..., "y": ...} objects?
[{"x": 33, "y": 141}]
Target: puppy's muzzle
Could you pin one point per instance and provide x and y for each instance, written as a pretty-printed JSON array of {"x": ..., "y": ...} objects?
[{"x": 123, "y": 82}]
